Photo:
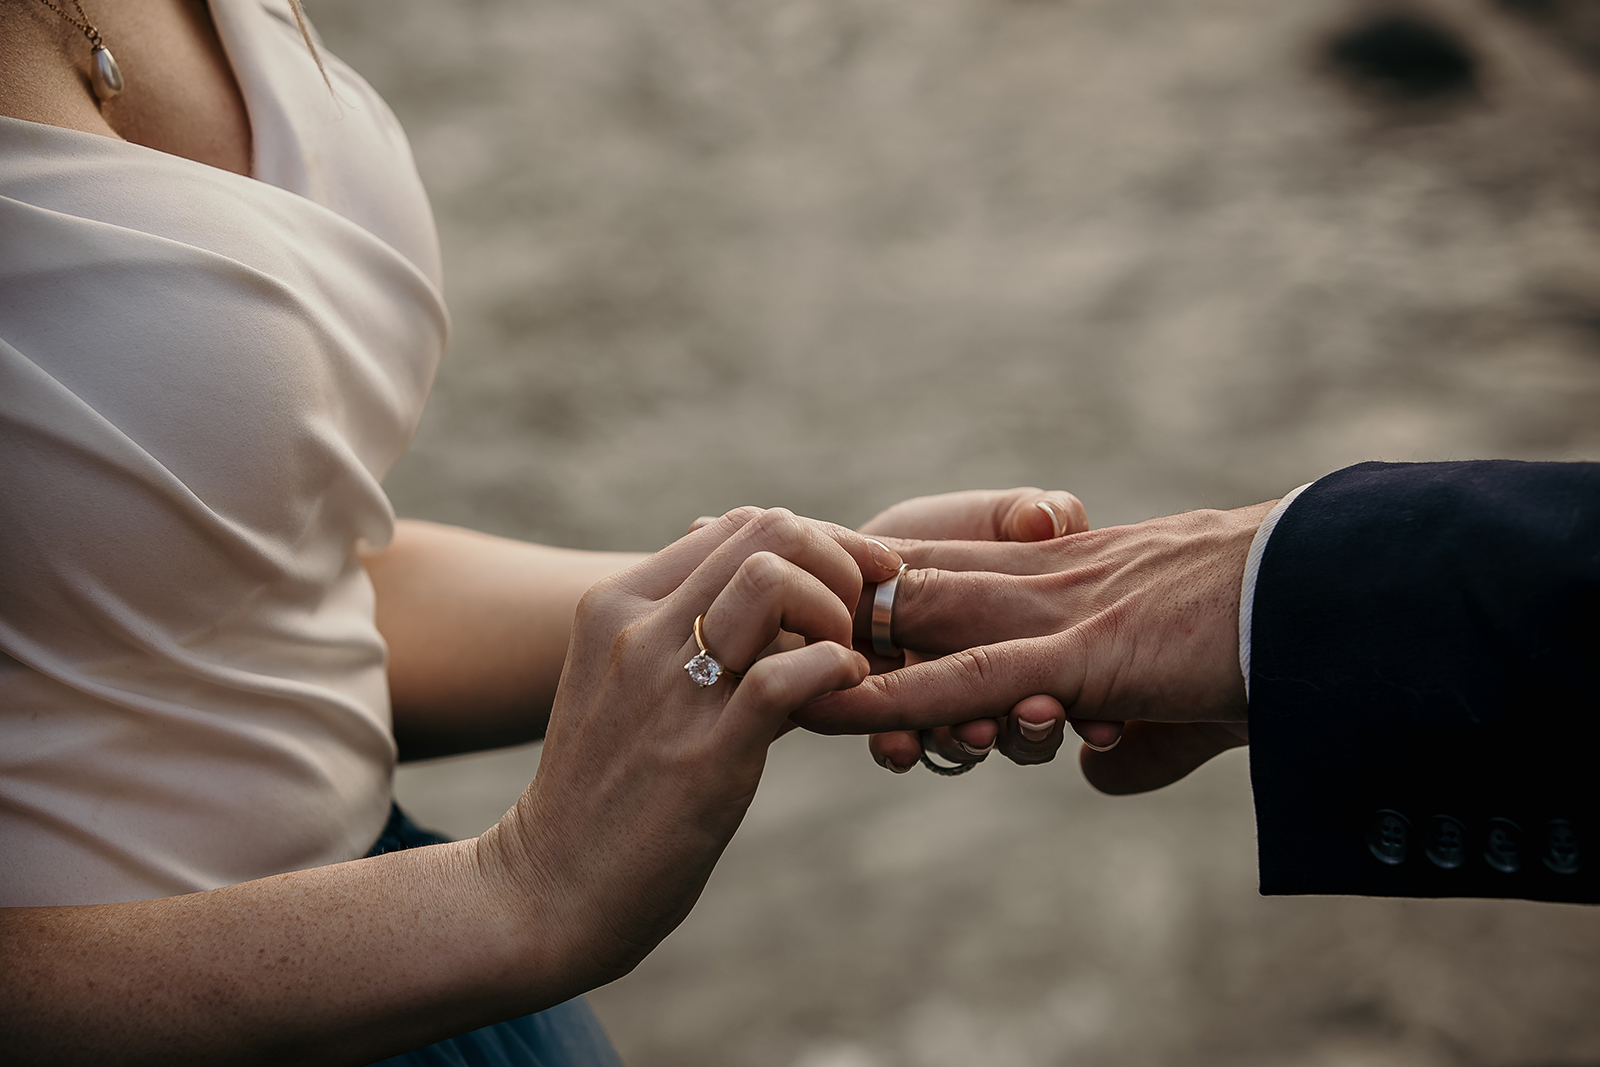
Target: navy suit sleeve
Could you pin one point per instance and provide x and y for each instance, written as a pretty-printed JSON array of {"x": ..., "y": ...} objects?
[{"x": 1425, "y": 684}]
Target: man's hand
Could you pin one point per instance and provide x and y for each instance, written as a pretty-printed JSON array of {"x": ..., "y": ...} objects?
[
  {"x": 1134, "y": 624},
  {"x": 1024, "y": 514}
]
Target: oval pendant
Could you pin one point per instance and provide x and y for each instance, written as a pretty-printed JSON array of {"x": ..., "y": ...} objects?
[{"x": 105, "y": 75}]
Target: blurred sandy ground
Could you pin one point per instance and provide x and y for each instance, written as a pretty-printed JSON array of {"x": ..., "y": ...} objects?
[{"x": 831, "y": 253}]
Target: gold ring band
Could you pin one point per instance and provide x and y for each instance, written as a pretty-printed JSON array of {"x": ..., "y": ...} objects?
[{"x": 704, "y": 669}]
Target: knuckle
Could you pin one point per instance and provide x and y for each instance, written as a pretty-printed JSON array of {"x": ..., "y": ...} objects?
[
  {"x": 780, "y": 528},
  {"x": 974, "y": 666},
  {"x": 763, "y": 574},
  {"x": 768, "y": 682},
  {"x": 920, "y": 583},
  {"x": 597, "y": 602},
  {"x": 893, "y": 686},
  {"x": 742, "y": 516},
  {"x": 842, "y": 657},
  {"x": 917, "y": 592}
]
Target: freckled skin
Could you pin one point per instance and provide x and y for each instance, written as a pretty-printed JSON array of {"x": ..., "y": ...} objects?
[{"x": 644, "y": 778}]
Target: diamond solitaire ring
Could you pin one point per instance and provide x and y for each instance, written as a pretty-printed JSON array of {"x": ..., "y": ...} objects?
[{"x": 704, "y": 670}]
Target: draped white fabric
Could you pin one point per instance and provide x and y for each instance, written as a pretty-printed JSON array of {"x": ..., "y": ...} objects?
[{"x": 203, "y": 377}]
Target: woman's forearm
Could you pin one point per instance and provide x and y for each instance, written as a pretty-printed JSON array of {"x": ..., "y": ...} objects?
[
  {"x": 645, "y": 777},
  {"x": 477, "y": 628},
  {"x": 342, "y": 964}
]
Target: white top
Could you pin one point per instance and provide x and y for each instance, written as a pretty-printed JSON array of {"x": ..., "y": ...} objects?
[
  {"x": 1252, "y": 569},
  {"x": 202, "y": 379}
]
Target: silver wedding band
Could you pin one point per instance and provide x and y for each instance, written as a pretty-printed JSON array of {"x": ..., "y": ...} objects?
[{"x": 883, "y": 613}]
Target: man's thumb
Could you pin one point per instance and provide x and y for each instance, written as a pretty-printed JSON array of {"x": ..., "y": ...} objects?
[{"x": 1041, "y": 516}]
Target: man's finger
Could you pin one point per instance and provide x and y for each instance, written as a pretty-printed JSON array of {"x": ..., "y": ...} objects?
[
  {"x": 998, "y": 557},
  {"x": 1022, "y": 514},
  {"x": 1155, "y": 754},
  {"x": 1041, "y": 516},
  {"x": 965, "y": 742},
  {"x": 1098, "y": 734},
  {"x": 896, "y": 751},
  {"x": 1034, "y": 731},
  {"x": 937, "y": 612}
]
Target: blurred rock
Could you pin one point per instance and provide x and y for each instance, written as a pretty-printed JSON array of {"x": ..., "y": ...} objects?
[{"x": 1405, "y": 58}]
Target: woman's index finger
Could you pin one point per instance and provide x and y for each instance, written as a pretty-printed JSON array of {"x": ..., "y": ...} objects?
[{"x": 667, "y": 569}]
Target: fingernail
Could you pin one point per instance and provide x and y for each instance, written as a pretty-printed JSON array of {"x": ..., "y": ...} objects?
[
  {"x": 896, "y": 768},
  {"x": 1035, "y": 731},
  {"x": 883, "y": 555},
  {"x": 971, "y": 751},
  {"x": 1104, "y": 748},
  {"x": 704, "y": 520},
  {"x": 1058, "y": 523}
]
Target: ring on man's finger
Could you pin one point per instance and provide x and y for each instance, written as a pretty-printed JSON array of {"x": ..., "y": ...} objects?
[
  {"x": 703, "y": 668},
  {"x": 883, "y": 613},
  {"x": 948, "y": 770}
]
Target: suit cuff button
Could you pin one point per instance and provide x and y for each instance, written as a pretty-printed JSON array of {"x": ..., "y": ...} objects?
[
  {"x": 1561, "y": 852},
  {"x": 1502, "y": 846},
  {"x": 1389, "y": 837},
  {"x": 1446, "y": 842}
]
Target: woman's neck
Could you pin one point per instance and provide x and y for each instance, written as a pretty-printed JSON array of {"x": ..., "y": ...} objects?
[{"x": 180, "y": 95}]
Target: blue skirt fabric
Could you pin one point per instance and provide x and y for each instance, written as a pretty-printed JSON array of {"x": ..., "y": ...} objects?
[{"x": 567, "y": 1035}]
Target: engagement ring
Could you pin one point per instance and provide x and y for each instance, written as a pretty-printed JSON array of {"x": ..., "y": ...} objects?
[{"x": 704, "y": 670}]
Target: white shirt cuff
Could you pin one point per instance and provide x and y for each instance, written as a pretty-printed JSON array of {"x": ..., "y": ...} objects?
[{"x": 1247, "y": 588}]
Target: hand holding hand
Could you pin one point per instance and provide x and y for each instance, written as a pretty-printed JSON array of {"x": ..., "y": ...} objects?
[
  {"x": 1133, "y": 624},
  {"x": 645, "y": 774},
  {"x": 1035, "y": 731}
]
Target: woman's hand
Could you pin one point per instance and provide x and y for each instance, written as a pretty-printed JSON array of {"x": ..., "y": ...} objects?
[
  {"x": 644, "y": 778},
  {"x": 1034, "y": 731},
  {"x": 1133, "y": 625},
  {"x": 645, "y": 775}
]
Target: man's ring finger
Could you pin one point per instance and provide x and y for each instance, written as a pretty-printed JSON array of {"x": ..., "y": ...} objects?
[{"x": 883, "y": 613}]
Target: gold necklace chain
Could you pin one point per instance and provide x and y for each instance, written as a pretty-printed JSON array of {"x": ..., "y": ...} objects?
[
  {"x": 82, "y": 22},
  {"x": 104, "y": 74}
]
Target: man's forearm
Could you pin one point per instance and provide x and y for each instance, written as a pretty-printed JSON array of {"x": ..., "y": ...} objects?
[
  {"x": 477, "y": 628},
  {"x": 1421, "y": 706}
]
